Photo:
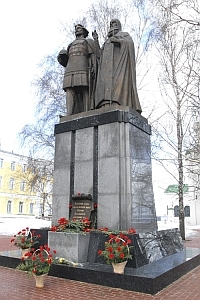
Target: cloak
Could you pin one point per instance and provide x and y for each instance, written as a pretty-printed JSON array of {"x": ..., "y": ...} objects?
[{"x": 116, "y": 81}]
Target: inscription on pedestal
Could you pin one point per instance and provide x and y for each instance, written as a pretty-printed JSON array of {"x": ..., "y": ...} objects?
[{"x": 81, "y": 206}]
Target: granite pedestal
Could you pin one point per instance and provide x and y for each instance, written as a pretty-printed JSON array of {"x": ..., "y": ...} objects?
[{"x": 106, "y": 153}]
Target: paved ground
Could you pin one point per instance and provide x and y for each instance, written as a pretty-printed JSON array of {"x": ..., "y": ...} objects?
[{"x": 15, "y": 285}]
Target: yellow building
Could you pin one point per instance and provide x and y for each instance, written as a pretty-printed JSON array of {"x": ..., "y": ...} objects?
[{"x": 23, "y": 190}]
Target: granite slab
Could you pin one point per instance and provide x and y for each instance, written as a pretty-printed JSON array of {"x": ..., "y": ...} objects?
[{"x": 148, "y": 279}]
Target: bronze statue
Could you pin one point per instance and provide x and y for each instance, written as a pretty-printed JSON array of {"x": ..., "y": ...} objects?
[
  {"x": 79, "y": 61},
  {"x": 116, "y": 80}
]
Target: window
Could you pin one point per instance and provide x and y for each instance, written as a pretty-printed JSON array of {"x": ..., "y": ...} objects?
[
  {"x": 0, "y": 181},
  {"x": 11, "y": 183},
  {"x": 12, "y": 165},
  {"x": 31, "y": 208},
  {"x": 33, "y": 189},
  {"x": 9, "y": 204},
  {"x": 41, "y": 209},
  {"x": 20, "y": 207},
  {"x": 1, "y": 162},
  {"x": 24, "y": 168},
  {"x": 23, "y": 185}
]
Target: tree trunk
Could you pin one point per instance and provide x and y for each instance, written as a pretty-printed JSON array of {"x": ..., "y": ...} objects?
[{"x": 180, "y": 169}]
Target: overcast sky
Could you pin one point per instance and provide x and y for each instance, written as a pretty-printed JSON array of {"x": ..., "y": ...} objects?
[{"x": 28, "y": 30}]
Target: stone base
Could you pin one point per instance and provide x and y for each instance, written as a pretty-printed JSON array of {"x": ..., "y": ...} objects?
[
  {"x": 147, "y": 248},
  {"x": 72, "y": 246},
  {"x": 106, "y": 153},
  {"x": 148, "y": 279}
]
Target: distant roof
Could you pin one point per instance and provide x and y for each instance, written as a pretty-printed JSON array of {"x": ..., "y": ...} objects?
[{"x": 173, "y": 188}]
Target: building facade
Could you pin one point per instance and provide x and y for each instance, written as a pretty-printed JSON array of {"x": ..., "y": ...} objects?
[
  {"x": 170, "y": 202},
  {"x": 25, "y": 185}
]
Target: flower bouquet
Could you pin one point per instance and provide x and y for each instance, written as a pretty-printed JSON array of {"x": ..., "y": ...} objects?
[
  {"x": 117, "y": 251},
  {"x": 73, "y": 225},
  {"x": 37, "y": 263},
  {"x": 25, "y": 239}
]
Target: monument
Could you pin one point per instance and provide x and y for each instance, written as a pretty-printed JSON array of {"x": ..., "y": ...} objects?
[
  {"x": 104, "y": 150},
  {"x": 103, "y": 170}
]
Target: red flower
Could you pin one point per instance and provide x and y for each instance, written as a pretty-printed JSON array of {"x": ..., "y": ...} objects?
[
  {"x": 62, "y": 221},
  {"x": 100, "y": 252},
  {"x": 111, "y": 236},
  {"x": 119, "y": 249},
  {"x": 87, "y": 230},
  {"x": 54, "y": 228},
  {"x": 33, "y": 258},
  {"x": 103, "y": 229},
  {"x": 111, "y": 256},
  {"x": 117, "y": 240},
  {"x": 132, "y": 230},
  {"x": 12, "y": 240},
  {"x": 42, "y": 260},
  {"x": 85, "y": 220},
  {"x": 49, "y": 261},
  {"x": 121, "y": 255},
  {"x": 54, "y": 251},
  {"x": 109, "y": 249}
]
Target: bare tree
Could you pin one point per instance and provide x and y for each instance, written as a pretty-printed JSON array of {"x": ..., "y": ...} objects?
[
  {"x": 178, "y": 49},
  {"x": 51, "y": 103},
  {"x": 38, "y": 178},
  {"x": 48, "y": 85},
  {"x": 182, "y": 11}
]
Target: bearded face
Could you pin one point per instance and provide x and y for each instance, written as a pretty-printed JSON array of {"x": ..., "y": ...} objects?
[{"x": 115, "y": 26}]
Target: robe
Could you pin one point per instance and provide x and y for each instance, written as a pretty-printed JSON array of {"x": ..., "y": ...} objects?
[{"x": 116, "y": 80}]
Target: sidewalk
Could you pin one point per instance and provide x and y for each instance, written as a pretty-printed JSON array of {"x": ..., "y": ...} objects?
[{"x": 16, "y": 285}]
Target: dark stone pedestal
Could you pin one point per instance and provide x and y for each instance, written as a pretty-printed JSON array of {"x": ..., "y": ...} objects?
[
  {"x": 106, "y": 153},
  {"x": 147, "y": 247}
]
